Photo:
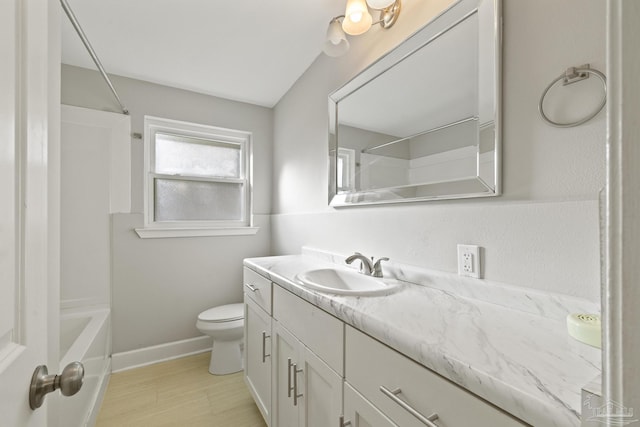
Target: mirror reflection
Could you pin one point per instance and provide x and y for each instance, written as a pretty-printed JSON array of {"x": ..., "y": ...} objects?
[{"x": 421, "y": 122}]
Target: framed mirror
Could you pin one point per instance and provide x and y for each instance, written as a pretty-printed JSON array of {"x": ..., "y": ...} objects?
[{"x": 423, "y": 122}]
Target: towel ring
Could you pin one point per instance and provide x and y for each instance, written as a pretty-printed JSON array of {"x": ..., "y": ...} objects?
[{"x": 573, "y": 75}]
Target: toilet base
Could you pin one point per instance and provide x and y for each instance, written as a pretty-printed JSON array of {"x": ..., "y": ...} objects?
[{"x": 226, "y": 357}]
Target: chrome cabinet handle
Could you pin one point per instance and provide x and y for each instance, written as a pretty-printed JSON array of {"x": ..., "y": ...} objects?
[
  {"x": 264, "y": 346},
  {"x": 393, "y": 395},
  {"x": 289, "y": 386},
  {"x": 344, "y": 423},
  {"x": 251, "y": 287},
  {"x": 296, "y": 396}
]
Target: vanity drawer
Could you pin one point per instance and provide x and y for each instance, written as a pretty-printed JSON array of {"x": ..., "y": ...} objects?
[
  {"x": 371, "y": 365},
  {"x": 258, "y": 288},
  {"x": 322, "y": 333}
]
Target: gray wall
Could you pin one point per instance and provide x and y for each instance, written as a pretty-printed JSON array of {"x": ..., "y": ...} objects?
[
  {"x": 160, "y": 285},
  {"x": 542, "y": 233}
]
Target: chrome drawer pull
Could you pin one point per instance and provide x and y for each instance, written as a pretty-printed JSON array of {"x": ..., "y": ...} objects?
[
  {"x": 343, "y": 423},
  {"x": 251, "y": 287},
  {"x": 296, "y": 371},
  {"x": 393, "y": 395},
  {"x": 264, "y": 346},
  {"x": 289, "y": 386}
]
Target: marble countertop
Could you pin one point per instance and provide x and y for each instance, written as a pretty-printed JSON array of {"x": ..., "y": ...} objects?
[{"x": 508, "y": 346}]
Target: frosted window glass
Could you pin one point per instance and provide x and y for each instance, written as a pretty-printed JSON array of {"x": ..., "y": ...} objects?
[
  {"x": 192, "y": 156},
  {"x": 180, "y": 200}
]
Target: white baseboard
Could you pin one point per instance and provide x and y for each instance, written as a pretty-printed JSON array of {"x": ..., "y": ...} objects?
[{"x": 160, "y": 353}]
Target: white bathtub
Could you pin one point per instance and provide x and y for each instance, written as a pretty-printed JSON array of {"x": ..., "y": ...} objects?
[{"x": 85, "y": 336}]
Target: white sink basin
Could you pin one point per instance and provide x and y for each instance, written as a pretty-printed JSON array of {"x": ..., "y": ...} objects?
[{"x": 345, "y": 282}]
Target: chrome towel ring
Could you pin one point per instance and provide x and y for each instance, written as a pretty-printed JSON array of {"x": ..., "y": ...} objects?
[{"x": 573, "y": 75}]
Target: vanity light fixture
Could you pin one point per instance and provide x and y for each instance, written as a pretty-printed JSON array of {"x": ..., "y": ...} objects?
[{"x": 357, "y": 20}]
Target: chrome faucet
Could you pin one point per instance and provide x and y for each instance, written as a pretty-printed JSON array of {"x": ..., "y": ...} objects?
[
  {"x": 367, "y": 266},
  {"x": 377, "y": 268}
]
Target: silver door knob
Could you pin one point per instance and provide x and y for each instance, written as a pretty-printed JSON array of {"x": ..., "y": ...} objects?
[{"x": 69, "y": 382}]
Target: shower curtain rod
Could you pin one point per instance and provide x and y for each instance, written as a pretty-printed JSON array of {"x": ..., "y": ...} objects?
[{"x": 85, "y": 41}]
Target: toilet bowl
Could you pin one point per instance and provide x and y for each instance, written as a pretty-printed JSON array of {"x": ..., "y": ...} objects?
[{"x": 225, "y": 324}]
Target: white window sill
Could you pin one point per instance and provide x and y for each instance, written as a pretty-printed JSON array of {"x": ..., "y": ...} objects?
[{"x": 162, "y": 233}]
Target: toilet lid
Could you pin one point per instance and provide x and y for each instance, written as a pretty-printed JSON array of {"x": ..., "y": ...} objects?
[{"x": 223, "y": 313}]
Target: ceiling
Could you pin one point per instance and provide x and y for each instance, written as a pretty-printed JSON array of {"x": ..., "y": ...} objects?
[{"x": 246, "y": 50}]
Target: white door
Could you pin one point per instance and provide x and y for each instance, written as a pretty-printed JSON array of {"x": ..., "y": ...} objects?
[
  {"x": 285, "y": 355},
  {"x": 26, "y": 264},
  {"x": 257, "y": 355},
  {"x": 321, "y": 389}
]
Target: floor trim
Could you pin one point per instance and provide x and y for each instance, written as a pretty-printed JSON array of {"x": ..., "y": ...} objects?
[{"x": 159, "y": 353}]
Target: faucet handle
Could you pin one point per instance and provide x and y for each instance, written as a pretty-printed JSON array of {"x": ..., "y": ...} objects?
[{"x": 377, "y": 268}]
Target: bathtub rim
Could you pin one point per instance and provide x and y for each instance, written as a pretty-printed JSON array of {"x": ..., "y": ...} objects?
[{"x": 99, "y": 317}]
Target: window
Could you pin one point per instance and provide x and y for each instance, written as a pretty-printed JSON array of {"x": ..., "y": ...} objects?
[
  {"x": 197, "y": 180},
  {"x": 345, "y": 168}
]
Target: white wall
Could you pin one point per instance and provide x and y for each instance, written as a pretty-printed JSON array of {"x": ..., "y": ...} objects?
[
  {"x": 94, "y": 145},
  {"x": 542, "y": 233},
  {"x": 160, "y": 285}
]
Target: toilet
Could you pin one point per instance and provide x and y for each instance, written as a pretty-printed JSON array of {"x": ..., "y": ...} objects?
[{"x": 225, "y": 324}]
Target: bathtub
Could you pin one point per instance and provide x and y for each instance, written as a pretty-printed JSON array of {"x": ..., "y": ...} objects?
[{"x": 85, "y": 336}]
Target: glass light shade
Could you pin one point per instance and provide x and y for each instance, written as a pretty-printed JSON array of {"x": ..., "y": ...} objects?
[
  {"x": 380, "y": 4},
  {"x": 336, "y": 43},
  {"x": 357, "y": 18}
]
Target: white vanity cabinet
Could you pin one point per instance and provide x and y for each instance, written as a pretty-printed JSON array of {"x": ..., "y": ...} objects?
[
  {"x": 359, "y": 412},
  {"x": 307, "y": 363},
  {"x": 408, "y": 393},
  {"x": 257, "y": 340},
  {"x": 306, "y": 368}
]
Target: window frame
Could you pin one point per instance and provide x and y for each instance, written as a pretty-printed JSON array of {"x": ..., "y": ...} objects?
[
  {"x": 188, "y": 228},
  {"x": 348, "y": 157}
]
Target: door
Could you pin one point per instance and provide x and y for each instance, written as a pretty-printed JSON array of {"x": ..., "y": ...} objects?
[
  {"x": 321, "y": 389},
  {"x": 28, "y": 264},
  {"x": 257, "y": 355},
  {"x": 285, "y": 355}
]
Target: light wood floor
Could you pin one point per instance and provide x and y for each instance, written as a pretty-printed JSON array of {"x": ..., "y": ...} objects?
[{"x": 178, "y": 393}]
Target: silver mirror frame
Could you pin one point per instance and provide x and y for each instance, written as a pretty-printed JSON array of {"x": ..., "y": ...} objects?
[{"x": 450, "y": 17}]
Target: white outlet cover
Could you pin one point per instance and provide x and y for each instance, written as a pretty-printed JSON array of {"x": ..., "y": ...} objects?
[{"x": 469, "y": 262}]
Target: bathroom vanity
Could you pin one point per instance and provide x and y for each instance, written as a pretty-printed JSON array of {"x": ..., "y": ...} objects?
[{"x": 428, "y": 353}]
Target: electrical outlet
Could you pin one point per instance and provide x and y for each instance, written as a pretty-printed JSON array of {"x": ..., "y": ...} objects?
[{"x": 469, "y": 261}]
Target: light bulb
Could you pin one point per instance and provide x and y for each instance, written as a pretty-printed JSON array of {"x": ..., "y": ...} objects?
[{"x": 357, "y": 18}]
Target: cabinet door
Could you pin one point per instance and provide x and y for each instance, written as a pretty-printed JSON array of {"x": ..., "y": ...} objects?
[
  {"x": 359, "y": 412},
  {"x": 285, "y": 355},
  {"x": 257, "y": 356},
  {"x": 321, "y": 390}
]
